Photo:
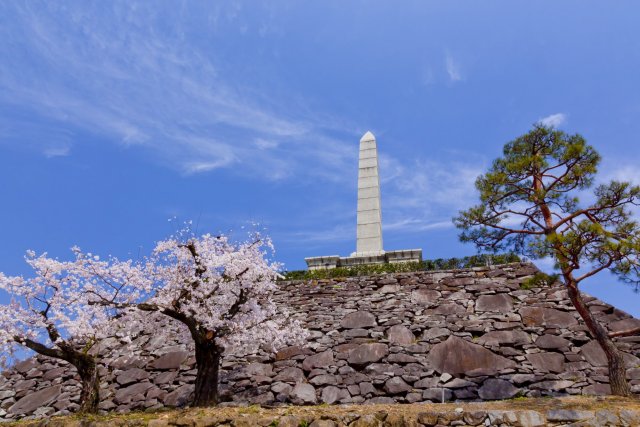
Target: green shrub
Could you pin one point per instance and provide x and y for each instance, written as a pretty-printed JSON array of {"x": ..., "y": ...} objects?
[
  {"x": 403, "y": 267},
  {"x": 538, "y": 280}
]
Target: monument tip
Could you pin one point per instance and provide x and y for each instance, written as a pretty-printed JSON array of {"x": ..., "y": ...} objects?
[{"x": 368, "y": 137}]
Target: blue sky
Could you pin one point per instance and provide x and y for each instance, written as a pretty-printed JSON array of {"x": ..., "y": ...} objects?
[{"x": 116, "y": 116}]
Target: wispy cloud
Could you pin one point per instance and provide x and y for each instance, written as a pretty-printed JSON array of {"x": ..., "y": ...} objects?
[
  {"x": 126, "y": 73},
  {"x": 453, "y": 68},
  {"x": 418, "y": 225},
  {"x": 427, "y": 194},
  {"x": 628, "y": 173},
  {"x": 554, "y": 120}
]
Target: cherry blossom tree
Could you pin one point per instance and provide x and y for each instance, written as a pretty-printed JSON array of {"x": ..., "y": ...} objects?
[
  {"x": 52, "y": 312},
  {"x": 220, "y": 290}
]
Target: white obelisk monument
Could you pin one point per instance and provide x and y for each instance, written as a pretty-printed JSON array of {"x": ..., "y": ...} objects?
[
  {"x": 369, "y": 228},
  {"x": 369, "y": 219}
]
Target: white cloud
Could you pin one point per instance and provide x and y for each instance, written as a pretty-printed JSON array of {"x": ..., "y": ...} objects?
[
  {"x": 453, "y": 68},
  {"x": 628, "y": 173},
  {"x": 554, "y": 120},
  {"x": 264, "y": 144},
  {"x": 57, "y": 151},
  {"x": 546, "y": 264}
]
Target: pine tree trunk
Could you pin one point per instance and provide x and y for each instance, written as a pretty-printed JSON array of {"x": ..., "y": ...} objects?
[
  {"x": 208, "y": 365},
  {"x": 617, "y": 369},
  {"x": 90, "y": 394}
]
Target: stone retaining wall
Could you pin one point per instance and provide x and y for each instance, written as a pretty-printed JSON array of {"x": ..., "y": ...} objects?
[
  {"x": 473, "y": 334},
  {"x": 559, "y": 412}
]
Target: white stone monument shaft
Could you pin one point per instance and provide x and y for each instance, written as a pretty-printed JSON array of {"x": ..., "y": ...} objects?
[{"x": 369, "y": 228}]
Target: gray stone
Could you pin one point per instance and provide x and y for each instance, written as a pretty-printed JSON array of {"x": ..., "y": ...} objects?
[
  {"x": 429, "y": 418},
  {"x": 366, "y": 388},
  {"x": 594, "y": 354},
  {"x": 263, "y": 399},
  {"x": 629, "y": 418},
  {"x": 428, "y": 382},
  {"x": 180, "y": 396},
  {"x": 381, "y": 400},
  {"x": 330, "y": 395},
  {"x": 399, "y": 334},
  {"x": 436, "y": 394},
  {"x": 367, "y": 353},
  {"x": 459, "y": 383},
  {"x": 303, "y": 394},
  {"x": 359, "y": 319},
  {"x": 424, "y": 296},
  {"x": 280, "y": 387},
  {"x": 55, "y": 373},
  {"x": 548, "y": 317},
  {"x": 258, "y": 369},
  {"x": 290, "y": 375},
  {"x": 522, "y": 378},
  {"x": 356, "y": 333},
  {"x": 165, "y": 377},
  {"x": 133, "y": 392},
  {"x": 320, "y": 360},
  {"x": 292, "y": 351},
  {"x": 43, "y": 411},
  {"x": 389, "y": 289},
  {"x": 24, "y": 385},
  {"x": 324, "y": 379},
  {"x": 499, "y": 338},
  {"x": 401, "y": 358},
  {"x": 449, "y": 308},
  {"x": 26, "y": 365},
  {"x": 458, "y": 356},
  {"x": 323, "y": 423},
  {"x": 396, "y": 385},
  {"x": 432, "y": 333},
  {"x": 171, "y": 360},
  {"x": 290, "y": 421},
  {"x": 607, "y": 418},
  {"x": 500, "y": 303},
  {"x": 552, "y": 385},
  {"x": 495, "y": 389},
  {"x": 131, "y": 376},
  {"x": 597, "y": 389},
  {"x": 552, "y": 342},
  {"x": 6, "y": 393},
  {"x": 547, "y": 362},
  {"x": 569, "y": 415},
  {"x": 33, "y": 401},
  {"x": 531, "y": 419}
]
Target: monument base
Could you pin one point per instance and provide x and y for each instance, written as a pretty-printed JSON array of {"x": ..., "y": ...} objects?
[{"x": 364, "y": 258}]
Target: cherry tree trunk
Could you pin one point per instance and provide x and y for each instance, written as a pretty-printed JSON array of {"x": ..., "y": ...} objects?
[
  {"x": 88, "y": 372},
  {"x": 617, "y": 369},
  {"x": 208, "y": 366}
]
